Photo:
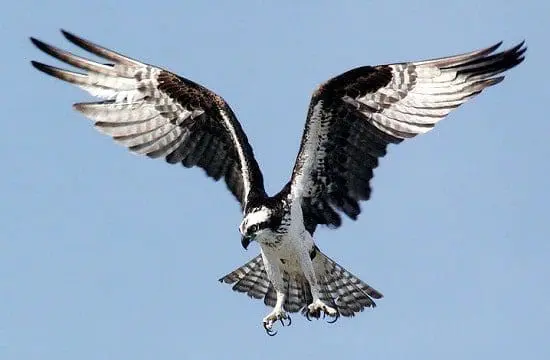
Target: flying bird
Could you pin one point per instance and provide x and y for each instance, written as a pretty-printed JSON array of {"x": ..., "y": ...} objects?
[{"x": 352, "y": 118}]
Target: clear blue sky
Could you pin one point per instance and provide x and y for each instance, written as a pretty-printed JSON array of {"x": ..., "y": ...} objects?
[{"x": 106, "y": 255}]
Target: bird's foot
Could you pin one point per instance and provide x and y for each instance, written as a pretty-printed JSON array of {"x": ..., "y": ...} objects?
[
  {"x": 317, "y": 307},
  {"x": 272, "y": 318}
]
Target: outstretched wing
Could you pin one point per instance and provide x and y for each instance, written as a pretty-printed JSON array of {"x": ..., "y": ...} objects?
[
  {"x": 154, "y": 112},
  {"x": 353, "y": 117}
]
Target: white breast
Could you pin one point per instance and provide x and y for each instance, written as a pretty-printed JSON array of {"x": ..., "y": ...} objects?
[{"x": 291, "y": 249}]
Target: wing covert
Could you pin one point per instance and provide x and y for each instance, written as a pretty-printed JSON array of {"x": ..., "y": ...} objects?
[{"x": 154, "y": 112}]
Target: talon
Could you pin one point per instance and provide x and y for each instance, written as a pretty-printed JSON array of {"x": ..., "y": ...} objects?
[
  {"x": 269, "y": 331},
  {"x": 307, "y": 316},
  {"x": 289, "y": 320},
  {"x": 272, "y": 318},
  {"x": 334, "y": 320}
]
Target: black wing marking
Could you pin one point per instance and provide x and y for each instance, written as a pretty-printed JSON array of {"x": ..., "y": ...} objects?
[
  {"x": 154, "y": 112},
  {"x": 353, "y": 117}
]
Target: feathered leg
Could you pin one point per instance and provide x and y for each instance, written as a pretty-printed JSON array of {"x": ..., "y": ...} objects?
[
  {"x": 278, "y": 313},
  {"x": 317, "y": 306}
]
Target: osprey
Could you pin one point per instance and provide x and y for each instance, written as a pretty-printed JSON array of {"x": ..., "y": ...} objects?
[{"x": 352, "y": 118}]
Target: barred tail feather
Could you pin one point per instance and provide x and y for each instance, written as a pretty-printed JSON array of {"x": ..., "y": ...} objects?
[
  {"x": 298, "y": 293},
  {"x": 251, "y": 279},
  {"x": 340, "y": 289}
]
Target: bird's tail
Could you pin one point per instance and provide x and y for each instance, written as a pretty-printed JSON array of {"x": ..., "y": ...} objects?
[
  {"x": 250, "y": 279},
  {"x": 339, "y": 288}
]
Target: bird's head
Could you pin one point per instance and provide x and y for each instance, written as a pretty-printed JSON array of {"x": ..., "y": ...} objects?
[{"x": 257, "y": 222}]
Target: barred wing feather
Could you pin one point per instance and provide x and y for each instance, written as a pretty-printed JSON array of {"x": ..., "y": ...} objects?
[
  {"x": 154, "y": 112},
  {"x": 353, "y": 117}
]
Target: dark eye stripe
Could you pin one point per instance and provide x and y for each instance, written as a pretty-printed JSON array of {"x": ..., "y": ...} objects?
[{"x": 259, "y": 226}]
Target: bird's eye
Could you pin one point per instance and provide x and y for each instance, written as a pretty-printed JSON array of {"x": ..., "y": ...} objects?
[{"x": 254, "y": 228}]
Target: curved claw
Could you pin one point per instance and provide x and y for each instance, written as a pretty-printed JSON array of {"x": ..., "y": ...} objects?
[
  {"x": 289, "y": 322},
  {"x": 307, "y": 316},
  {"x": 269, "y": 331},
  {"x": 335, "y": 318}
]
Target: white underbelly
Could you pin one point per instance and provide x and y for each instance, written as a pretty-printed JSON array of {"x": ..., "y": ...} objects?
[{"x": 290, "y": 253}]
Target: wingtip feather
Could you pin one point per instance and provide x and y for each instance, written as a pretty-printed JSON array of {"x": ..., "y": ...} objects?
[
  {"x": 495, "y": 80},
  {"x": 35, "y": 41},
  {"x": 77, "y": 40},
  {"x": 494, "y": 47},
  {"x": 69, "y": 35},
  {"x": 48, "y": 49},
  {"x": 98, "y": 49},
  {"x": 42, "y": 67},
  {"x": 458, "y": 59}
]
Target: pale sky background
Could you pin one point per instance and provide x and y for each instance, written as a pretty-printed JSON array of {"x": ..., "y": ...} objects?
[{"x": 106, "y": 255}]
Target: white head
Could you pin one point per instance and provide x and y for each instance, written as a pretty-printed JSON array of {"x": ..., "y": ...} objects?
[{"x": 254, "y": 223}]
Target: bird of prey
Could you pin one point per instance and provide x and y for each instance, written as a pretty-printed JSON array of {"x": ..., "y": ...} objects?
[{"x": 352, "y": 118}]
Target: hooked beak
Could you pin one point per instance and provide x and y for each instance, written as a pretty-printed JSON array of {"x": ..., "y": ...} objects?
[{"x": 246, "y": 240}]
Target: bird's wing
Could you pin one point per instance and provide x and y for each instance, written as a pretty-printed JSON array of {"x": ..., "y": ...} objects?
[
  {"x": 353, "y": 117},
  {"x": 157, "y": 113}
]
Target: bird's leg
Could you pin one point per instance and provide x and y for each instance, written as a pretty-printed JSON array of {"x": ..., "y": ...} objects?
[
  {"x": 278, "y": 313},
  {"x": 317, "y": 305}
]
